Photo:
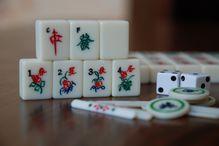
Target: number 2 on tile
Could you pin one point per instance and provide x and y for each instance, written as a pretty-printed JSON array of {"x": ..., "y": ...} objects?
[{"x": 59, "y": 72}]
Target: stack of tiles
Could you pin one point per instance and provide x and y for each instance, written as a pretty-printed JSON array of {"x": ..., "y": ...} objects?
[{"x": 80, "y": 58}]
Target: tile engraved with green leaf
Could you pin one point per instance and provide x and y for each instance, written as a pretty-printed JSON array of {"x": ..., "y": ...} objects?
[
  {"x": 85, "y": 41},
  {"x": 125, "y": 78}
]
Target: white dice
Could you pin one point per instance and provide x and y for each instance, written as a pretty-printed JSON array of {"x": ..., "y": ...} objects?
[
  {"x": 197, "y": 80},
  {"x": 35, "y": 79},
  {"x": 84, "y": 39},
  {"x": 52, "y": 39},
  {"x": 166, "y": 80},
  {"x": 114, "y": 39},
  {"x": 126, "y": 77},
  {"x": 97, "y": 78},
  {"x": 67, "y": 79}
]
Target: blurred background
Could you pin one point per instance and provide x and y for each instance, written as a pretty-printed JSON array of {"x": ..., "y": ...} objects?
[{"x": 161, "y": 25}]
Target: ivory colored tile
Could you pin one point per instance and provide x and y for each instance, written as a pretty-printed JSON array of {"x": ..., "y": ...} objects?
[
  {"x": 84, "y": 39},
  {"x": 114, "y": 39},
  {"x": 97, "y": 78},
  {"x": 126, "y": 77},
  {"x": 35, "y": 79},
  {"x": 183, "y": 63},
  {"x": 67, "y": 79},
  {"x": 52, "y": 39},
  {"x": 209, "y": 65}
]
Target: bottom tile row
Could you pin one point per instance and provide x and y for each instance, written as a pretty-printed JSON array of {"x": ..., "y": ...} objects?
[{"x": 74, "y": 79}]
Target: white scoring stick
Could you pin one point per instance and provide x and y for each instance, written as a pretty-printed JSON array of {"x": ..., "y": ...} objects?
[
  {"x": 123, "y": 103},
  {"x": 204, "y": 112},
  {"x": 196, "y": 111},
  {"x": 105, "y": 109}
]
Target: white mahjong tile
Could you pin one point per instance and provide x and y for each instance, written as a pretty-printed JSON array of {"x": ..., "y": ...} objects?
[
  {"x": 84, "y": 39},
  {"x": 52, "y": 39},
  {"x": 126, "y": 77},
  {"x": 35, "y": 79},
  {"x": 156, "y": 63},
  {"x": 209, "y": 65},
  {"x": 67, "y": 79},
  {"x": 114, "y": 39},
  {"x": 97, "y": 78},
  {"x": 183, "y": 62}
]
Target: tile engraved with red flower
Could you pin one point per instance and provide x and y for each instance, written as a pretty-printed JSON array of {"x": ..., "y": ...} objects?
[
  {"x": 101, "y": 108},
  {"x": 37, "y": 82},
  {"x": 125, "y": 77},
  {"x": 66, "y": 84},
  {"x": 98, "y": 80}
]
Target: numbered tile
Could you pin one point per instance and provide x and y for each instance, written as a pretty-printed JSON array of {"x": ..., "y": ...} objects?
[
  {"x": 52, "y": 39},
  {"x": 35, "y": 79},
  {"x": 125, "y": 77},
  {"x": 67, "y": 79},
  {"x": 114, "y": 39},
  {"x": 97, "y": 78},
  {"x": 84, "y": 40}
]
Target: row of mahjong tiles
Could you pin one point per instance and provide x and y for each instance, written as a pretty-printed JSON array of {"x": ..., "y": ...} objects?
[
  {"x": 153, "y": 62},
  {"x": 74, "y": 78}
]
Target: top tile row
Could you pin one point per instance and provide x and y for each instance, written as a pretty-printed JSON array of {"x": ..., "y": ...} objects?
[{"x": 81, "y": 39}]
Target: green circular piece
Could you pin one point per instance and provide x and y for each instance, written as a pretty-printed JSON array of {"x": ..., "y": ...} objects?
[
  {"x": 189, "y": 93},
  {"x": 209, "y": 102},
  {"x": 168, "y": 108}
]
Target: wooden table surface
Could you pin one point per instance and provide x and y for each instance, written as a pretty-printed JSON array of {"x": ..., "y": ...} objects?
[{"x": 53, "y": 122}]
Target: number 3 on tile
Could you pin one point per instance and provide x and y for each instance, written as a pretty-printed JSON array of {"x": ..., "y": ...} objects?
[{"x": 90, "y": 71}]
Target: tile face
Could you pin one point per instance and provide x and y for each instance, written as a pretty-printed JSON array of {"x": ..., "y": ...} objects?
[
  {"x": 84, "y": 39},
  {"x": 97, "y": 78},
  {"x": 144, "y": 73},
  {"x": 166, "y": 80},
  {"x": 52, "y": 39},
  {"x": 209, "y": 65},
  {"x": 114, "y": 39},
  {"x": 35, "y": 79},
  {"x": 156, "y": 63},
  {"x": 126, "y": 77},
  {"x": 196, "y": 80},
  {"x": 144, "y": 68},
  {"x": 183, "y": 62},
  {"x": 67, "y": 79}
]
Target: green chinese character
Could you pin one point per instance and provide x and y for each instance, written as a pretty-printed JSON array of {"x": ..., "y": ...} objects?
[{"x": 84, "y": 41}]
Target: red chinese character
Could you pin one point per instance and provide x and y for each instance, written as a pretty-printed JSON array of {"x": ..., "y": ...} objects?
[{"x": 54, "y": 39}]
